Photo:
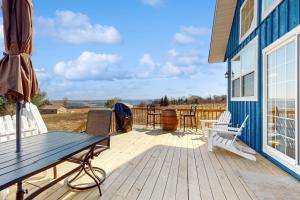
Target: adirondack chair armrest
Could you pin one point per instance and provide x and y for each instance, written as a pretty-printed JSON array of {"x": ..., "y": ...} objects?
[
  {"x": 228, "y": 132},
  {"x": 233, "y": 129},
  {"x": 220, "y": 123}
]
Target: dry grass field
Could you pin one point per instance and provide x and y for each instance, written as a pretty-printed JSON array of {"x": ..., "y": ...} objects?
[
  {"x": 69, "y": 121},
  {"x": 75, "y": 118}
]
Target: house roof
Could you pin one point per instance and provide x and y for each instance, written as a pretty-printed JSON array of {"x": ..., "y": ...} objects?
[{"x": 224, "y": 14}]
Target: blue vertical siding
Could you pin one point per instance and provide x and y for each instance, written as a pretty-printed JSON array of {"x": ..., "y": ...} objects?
[{"x": 284, "y": 18}]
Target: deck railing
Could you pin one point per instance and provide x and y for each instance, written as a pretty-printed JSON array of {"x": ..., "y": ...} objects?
[{"x": 140, "y": 115}]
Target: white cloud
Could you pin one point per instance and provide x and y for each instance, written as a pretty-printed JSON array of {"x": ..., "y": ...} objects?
[
  {"x": 190, "y": 34},
  {"x": 185, "y": 58},
  {"x": 72, "y": 27},
  {"x": 181, "y": 38},
  {"x": 148, "y": 66},
  {"x": 177, "y": 64},
  {"x": 192, "y": 30},
  {"x": 42, "y": 74},
  {"x": 147, "y": 60},
  {"x": 170, "y": 70},
  {"x": 152, "y": 2},
  {"x": 89, "y": 66}
]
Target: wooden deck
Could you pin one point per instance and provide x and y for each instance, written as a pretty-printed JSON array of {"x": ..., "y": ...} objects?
[{"x": 152, "y": 165}]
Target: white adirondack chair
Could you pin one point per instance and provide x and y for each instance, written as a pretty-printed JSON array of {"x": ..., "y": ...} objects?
[
  {"x": 226, "y": 138},
  {"x": 223, "y": 121},
  {"x": 32, "y": 124}
]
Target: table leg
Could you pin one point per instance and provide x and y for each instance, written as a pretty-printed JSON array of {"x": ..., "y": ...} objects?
[
  {"x": 203, "y": 128},
  {"x": 20, "y": 191},
  {"x": 210, "y": 140}
]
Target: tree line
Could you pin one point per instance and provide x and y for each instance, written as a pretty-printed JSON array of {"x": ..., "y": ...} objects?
[
  {"x": 216, "y": 99},
  {"x": 39, "y": 100}
]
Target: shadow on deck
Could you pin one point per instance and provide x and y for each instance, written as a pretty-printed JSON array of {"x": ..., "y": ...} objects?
[{"x": 152, "y": 164}]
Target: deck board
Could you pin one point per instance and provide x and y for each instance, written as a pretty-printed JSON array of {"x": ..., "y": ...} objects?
[{"x": 148, "y": 164}]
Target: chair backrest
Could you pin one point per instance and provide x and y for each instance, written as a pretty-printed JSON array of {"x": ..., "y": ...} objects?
[
  {"x": 99, "y": 122},
  {"x": 150, "y": 109},
  {"x": 193, "y": 110},
  {"x": 243, "y": 124},
  {"x": 225, "y": 117},
  {"x": 31, "y": 122},
  {"x": 223, "y": 121},
  {"x": 33, "y": 115}
]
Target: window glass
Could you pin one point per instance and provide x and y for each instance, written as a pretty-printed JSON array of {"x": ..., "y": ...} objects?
[
  {"x": 248, "y": 85},
  {"x": 236, "y": 67},
  {"x": 236, "y": 88},
  {"x": 247, "y": 17},
  {"x": 281, "y": 99},
  {"x": 248, "y": 61},
  {"x": 267, "y": 4}
]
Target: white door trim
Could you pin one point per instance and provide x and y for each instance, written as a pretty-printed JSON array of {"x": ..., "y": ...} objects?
[{"x": 280, "y": 157}]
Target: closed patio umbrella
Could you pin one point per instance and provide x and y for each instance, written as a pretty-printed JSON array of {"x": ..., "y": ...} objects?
[{"x": 18, "y": 81}]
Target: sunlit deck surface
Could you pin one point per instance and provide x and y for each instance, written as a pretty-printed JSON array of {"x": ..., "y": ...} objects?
[{"x": 152, "y": 164}]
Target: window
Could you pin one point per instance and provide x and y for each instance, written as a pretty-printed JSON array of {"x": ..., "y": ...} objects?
[
  {"x": 243, "y": 73},
  {"x": 248, "y": 14},
  {"x": 281, "y": 99},
  {"x": 268, "y": 6}
]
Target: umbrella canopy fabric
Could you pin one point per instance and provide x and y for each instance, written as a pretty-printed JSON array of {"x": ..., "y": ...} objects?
[{"x": 18, "y": 81}]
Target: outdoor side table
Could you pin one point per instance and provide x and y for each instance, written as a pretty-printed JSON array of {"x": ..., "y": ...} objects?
[
  {"x": 203, "y": 124},
  {"x": 169, "y": 120}
]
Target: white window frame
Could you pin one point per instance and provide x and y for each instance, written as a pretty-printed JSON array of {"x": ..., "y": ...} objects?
[
  {"x": 290, "y": 163},
  {"x": 266, "y": 13},
  {"x": 254, "y": 41},
  {"x": 252, "y": 28}
]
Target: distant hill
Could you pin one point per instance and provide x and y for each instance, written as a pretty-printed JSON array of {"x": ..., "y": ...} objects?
[{"x": 92, "y": 103}]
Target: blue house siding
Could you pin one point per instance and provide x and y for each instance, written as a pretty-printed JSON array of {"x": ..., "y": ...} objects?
[{"x": 284, "y": 18}]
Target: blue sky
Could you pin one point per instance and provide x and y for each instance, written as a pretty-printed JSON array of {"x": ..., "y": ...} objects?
[{"x": 133, "y": 49}]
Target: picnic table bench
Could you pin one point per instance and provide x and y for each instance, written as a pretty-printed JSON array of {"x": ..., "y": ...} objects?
[{"x": 40, "y": 153}]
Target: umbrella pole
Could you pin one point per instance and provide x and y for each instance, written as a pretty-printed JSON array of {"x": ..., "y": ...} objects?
[
  {"x": 18, "y": 127},
  {"x": 20, "y": 191}
]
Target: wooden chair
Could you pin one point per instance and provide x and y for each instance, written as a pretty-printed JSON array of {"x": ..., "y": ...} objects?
[
  {"x": 226, "y": 137},
  {"x": 98, "y": 123},
  {"x": 152, "y": 113},
  {"x": 191, "y": 115}
]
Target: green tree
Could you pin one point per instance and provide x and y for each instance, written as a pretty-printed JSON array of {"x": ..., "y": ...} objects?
[
  {"x": 111, "y": 102},
  {"x": 2, "y": 104},
  {"x": 40, "y": 99},
  {"x": 161, "y": 103},
  {"x": 166, "y": 101}
]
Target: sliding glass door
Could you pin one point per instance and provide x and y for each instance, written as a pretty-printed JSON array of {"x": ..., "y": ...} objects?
[{"x": 281, "y": 102}]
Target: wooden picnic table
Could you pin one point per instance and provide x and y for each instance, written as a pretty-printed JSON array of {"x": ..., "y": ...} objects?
[{"x": 40, "y": 153}]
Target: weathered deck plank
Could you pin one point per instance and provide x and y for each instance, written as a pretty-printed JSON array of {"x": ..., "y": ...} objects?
[{"x": 150, "y": 164}]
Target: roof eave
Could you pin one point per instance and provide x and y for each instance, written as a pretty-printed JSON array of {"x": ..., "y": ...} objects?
[{"x": 223, "y": 18}]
